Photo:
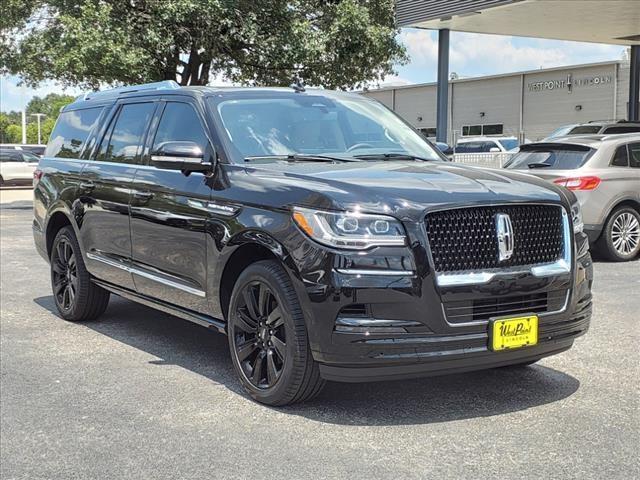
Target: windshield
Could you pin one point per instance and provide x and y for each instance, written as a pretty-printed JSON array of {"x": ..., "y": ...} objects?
[
  {"x": 307, "y": 124},
  {"x": 509, "y": 143},
  {"x": 550, "y": 158}
]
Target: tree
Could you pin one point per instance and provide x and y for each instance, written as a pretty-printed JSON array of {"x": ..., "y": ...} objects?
[
  {"x": 50, "y": 105},
  {"x": 337, "y": 44},
  {"x": 13, "y": 134}
]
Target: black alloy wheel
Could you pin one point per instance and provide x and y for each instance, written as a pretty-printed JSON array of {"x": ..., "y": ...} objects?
[
  {"x": 259, "y": 335},
  {"x": 268, "y": 337},
  {"x": 76, "y": 297},
  {"x": 64, "y": 274}
]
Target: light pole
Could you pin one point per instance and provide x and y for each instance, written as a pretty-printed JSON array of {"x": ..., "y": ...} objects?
[{"x": 38, "y": 116}]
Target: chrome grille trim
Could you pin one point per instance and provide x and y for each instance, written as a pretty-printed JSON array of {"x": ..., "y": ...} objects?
[{"x": 559, "y": 267}]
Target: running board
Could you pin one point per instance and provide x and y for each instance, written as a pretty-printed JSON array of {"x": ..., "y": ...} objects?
[{"x": 199, "y": 318}]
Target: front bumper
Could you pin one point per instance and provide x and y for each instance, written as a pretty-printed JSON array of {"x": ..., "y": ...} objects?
[{"x": 411, "y": 335}]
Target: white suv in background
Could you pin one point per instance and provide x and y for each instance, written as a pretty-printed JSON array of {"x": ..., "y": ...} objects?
[
  {"x": 596, "y": 128},
  {"x": 486, "y": 144},
  {"x": 603, "y": 171},
  {"x": 17, "y": 167}
]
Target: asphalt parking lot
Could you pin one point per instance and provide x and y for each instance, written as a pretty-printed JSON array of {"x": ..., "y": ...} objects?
[{"x": 145, "y": 395}]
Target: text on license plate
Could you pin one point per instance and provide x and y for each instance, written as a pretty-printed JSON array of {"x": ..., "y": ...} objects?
[{"x": 507, "y": 333}]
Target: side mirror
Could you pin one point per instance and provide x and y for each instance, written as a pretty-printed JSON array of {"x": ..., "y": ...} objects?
[
  {"x": 183, "y": 156},
  {"x": 494, "y": 150}
]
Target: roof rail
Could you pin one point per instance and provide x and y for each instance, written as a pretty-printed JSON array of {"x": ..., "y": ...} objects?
[
  {"x": 613, "y": 136},
  {"x": 164, "y": 85}
]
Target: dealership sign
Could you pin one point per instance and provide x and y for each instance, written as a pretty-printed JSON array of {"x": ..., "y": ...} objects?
[{"x": 569, "y": 83}]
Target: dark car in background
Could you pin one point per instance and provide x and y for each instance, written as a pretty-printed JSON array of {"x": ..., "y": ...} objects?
[
  {"x": 326, "y": 237},
  {"x": 603, "y": 171}
]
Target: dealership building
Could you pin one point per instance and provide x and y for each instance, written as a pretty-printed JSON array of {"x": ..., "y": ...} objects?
[{"x": 527, "y": 104}]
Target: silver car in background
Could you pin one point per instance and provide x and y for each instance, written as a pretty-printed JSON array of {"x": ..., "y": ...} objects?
[{"x": 604, "y": 173}]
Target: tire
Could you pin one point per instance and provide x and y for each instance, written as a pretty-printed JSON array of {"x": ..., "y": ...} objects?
[
  {"x": 1, "y": 181},
  {"x": 268, "y": 337},
  {"x": 76, "y": 297},
  {"x": 620, "y": 240}
]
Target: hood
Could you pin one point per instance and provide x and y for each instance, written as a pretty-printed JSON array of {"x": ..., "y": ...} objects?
[{"x": 405, "y": 189}]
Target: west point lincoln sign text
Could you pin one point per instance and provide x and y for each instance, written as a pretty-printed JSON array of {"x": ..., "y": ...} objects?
[{"x": 569, "y": 83}]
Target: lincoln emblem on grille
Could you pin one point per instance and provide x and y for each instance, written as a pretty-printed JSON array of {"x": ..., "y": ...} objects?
[{"x": 505, "y": 236}]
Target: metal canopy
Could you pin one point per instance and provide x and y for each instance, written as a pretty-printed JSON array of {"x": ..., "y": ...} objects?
[
  {"x": 600, "y": 21},
  {"x": 612, "y": 21}
]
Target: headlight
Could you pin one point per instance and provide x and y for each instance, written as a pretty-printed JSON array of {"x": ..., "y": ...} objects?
[
  {"x": 576, "y": 217},
  {"x": 352, "y": 230}
]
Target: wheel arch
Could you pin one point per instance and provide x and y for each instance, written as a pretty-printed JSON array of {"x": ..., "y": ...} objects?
[
  {"x": 59, "y": 218},
  {"x": 251, "y": 247},
  {"x": 623, "y": 202}
]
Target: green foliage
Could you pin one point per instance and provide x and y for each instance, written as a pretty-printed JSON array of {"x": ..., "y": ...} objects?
[
  {"x": 336, "y": 44},
  {"x": 11, "y": 122},
  {"x": 50, "y": 105},
  {"x": 12, "y": 134}
]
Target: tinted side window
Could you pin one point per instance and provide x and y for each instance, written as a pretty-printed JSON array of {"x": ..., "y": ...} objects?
[
  {"x": 487, "y": 146},
  {"x": 10, "y": 156},
  {"x": 621, "y": 129},
  {"x": 29, "y": 157},
  {"x": 584, "y": 129},
  {"x": 180, "y": 123},
  {"x": 634, "y": 155},
  {"x": 122, "y": 143},
  {"x": 469, "y": 147},
  {"x": 620, "y": 159},
  {"x": 71, "y": 131}
]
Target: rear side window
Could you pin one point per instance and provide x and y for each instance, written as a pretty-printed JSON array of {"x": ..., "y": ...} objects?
[
  {"x": 475, "y": 147},
  {"x": 180, "y": 123},
  {"x": 122, "y": 142},
  {"x": 585, "y": 129},
  {"x": 550, "y": 158},
  {"x": 71, "y": 132},
  {"x": 634, "y": 155},
  {"x": 622, "y": 129},
  {"x": 620, "y": 159},
  {"x": 10, "y": 156}
]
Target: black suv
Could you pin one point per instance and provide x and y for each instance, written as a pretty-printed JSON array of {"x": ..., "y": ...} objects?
[{"x": 327, "y": 238}]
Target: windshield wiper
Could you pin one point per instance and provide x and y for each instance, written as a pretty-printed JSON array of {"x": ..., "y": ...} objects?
[
  {"x": 297, "y": 157},
  {"x": 391, "y": 156},
  {"x": 539, "y": 165}
]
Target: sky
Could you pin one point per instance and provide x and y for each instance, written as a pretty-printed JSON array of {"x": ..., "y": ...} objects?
[{"x": 470, "y": 55}]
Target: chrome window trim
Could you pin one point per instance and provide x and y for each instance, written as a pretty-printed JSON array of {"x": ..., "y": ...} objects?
[
  {"x": 133, "y": 270},
  {"x": 114, "y": 164},
  {"x": 170, "y": 158},
  {"x": 559, "y": 267}
]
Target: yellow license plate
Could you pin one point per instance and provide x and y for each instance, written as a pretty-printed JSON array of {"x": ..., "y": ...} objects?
[{"x": 509, "y": 333}]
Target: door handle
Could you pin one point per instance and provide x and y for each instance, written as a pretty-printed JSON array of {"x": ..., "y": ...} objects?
[
  {"x": 143, "y": 195},
  {"x": 87, "y": 185}
]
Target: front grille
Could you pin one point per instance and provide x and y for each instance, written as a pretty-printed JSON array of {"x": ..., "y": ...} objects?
[
  {"x": 485, "y": 308},
  {"x": 465, "y": 239}
]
